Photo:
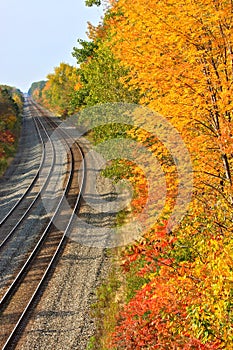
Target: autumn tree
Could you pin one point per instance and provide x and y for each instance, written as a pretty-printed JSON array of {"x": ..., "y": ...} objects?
[
  {"x": 61, "y": 85},
  {"x": 11, "y": 106},
  {"x": 35, "y": 90},
  {"x": 179, "y": 55}
]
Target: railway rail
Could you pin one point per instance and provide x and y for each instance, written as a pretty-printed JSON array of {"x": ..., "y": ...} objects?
[
  {"x": 28, "y": 199},
  {"x": 25, "y": 289},
  {"x": 16, "y": 244},
  {"x": 22, "y": 165}
]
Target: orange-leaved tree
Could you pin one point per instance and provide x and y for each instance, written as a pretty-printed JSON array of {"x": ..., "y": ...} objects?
[
  {"x": 180, "y": 57},
  {"x": 179, "y": 54}
]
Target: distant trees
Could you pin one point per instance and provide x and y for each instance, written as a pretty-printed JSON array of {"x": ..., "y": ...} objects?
[
  {"x": 36, "y": 89},
  {"x": 56, "y": 93},
  {"x": 60, "y": 88}
]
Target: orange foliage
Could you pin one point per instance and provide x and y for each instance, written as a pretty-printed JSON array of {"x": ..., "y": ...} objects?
[{"x": 179, "y": 54}]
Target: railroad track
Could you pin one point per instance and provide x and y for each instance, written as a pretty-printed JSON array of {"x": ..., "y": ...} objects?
[
  {"x": 25, "y": 289},
  {"x": 18, "y": 235},
  {"x": 14, "y": 217},
  {"x": 21, "y": 166}
]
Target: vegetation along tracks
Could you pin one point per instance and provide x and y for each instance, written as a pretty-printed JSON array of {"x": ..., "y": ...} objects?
[{"x": 25, "y": 288}]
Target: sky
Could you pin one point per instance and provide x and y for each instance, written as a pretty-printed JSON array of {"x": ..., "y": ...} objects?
[{"x": 37, "y": 35}]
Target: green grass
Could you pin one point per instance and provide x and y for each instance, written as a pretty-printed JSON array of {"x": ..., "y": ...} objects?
[{"x": 109, "y": 300}]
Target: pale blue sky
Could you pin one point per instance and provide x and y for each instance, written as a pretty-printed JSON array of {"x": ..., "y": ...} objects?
[{"x": 36, "y": 36}]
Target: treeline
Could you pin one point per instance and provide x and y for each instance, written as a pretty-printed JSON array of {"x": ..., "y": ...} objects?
[
  {"x": 175, "y": 57},
  {"x": 36, "y": 89},
  {"x": 11, "y": 106}
]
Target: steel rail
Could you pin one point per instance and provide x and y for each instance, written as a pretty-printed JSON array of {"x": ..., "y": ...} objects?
[
  {"x": 33, "y": 180},
  {"x": 10, "y": 234},
  {"x": 6, "y": 297}
]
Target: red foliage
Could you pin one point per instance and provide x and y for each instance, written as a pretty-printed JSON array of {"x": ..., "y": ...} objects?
[
  {"x": 7, "y": 137},
  {"x": 147, "y": 321}
]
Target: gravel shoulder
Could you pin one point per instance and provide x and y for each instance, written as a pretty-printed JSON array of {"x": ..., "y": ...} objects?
[{"x": 62, "y": 319}]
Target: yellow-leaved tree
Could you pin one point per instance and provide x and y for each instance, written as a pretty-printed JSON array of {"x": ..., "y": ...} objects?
[
  {"x": 59, "y": 89},
  {"x": 179, "y": 54}
]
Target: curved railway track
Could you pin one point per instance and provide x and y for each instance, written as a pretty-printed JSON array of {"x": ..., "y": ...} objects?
[
  {"x": 19, "y": 233},
  {"x": 24, "y": 204},
  {"x": 4, "y": 219},
  {"x": 19, "y": 297},
  {"x": 30, "y": 148}
]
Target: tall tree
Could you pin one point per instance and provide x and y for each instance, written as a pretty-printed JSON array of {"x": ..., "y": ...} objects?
[
  {"x": 180, "y": 56},
  {"x": 100, "y": 72}
]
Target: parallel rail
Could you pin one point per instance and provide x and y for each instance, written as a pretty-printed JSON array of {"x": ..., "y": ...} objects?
[
  {"x": 19, "y": 295},
  {"x": 30, "y": 186},
  {"x": 13, "y": 211}
]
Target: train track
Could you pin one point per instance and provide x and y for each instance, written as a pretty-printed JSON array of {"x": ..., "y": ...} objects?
[
  {"x": 14, "y": 217},
  {"x": 21, "y": 295},
  {"x": 18, "y": 235},
  {"x": 22, "y": 165}
]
